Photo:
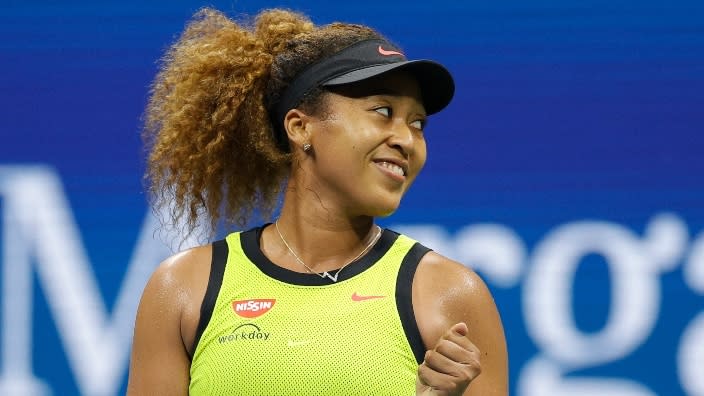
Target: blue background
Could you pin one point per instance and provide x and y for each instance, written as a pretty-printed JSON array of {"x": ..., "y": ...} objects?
[{"x": 564, "y": 111}]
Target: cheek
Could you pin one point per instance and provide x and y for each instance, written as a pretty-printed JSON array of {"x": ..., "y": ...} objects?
[
  {"x": 342, "y": 156},
  {"x": 358, "y": 141},
  {"x": 421, "y": 154}
]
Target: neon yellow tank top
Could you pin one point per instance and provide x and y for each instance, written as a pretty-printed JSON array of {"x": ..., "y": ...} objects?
[{"x": 266, "y": 330}]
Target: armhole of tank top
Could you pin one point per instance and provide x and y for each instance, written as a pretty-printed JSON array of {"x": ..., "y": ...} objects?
[
  {"x": 217, "y": 271},
  {"x": 404, "y": 302}
]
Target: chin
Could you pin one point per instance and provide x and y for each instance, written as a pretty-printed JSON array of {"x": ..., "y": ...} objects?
[
  {"x": 380, "y": 203},
  {"x": 384, "y": 214},
  {"x": 385, "y": 209}
]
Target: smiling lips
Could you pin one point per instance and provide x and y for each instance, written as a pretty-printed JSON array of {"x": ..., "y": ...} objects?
[{"x": 392, "y": 168}]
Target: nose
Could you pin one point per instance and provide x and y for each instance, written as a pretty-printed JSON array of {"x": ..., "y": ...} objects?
[{"x": 402, "y": 137}]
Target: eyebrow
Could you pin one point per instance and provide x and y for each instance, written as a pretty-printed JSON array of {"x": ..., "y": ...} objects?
[
  {"x": 362, "y": 92},
  {"x": 387, "y": 91}
]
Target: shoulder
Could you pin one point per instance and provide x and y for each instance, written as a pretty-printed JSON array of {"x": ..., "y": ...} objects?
[
  {"x": 451, "y": 284},
  {"x": 446, "y": 292},
  {"x": 166, "y": 321},
  {"x": 174, "y": 293},
  {"x": 182, "y": 270}
]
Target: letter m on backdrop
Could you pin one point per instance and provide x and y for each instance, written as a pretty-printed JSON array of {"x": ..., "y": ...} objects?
[{"x": 39, "y": 235}]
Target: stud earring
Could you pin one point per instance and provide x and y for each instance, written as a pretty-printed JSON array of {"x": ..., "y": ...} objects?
[{"x": 306, "y": 147}]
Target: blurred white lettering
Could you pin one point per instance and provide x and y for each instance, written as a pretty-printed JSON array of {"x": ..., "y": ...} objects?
[
  {"x": 41, "y": 234},
  {"x": 542, "y": 377},
  {"x": 694, "y": 268},
  {"x": 690, "y": 355},
  {"x": 634, "y": 266}
]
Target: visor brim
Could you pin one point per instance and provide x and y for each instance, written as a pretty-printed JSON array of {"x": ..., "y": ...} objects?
[{"x": 436, "y": 83}]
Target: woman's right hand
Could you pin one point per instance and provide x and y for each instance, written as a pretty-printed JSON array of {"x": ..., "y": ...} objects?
[{"x": 449, "y": 368}]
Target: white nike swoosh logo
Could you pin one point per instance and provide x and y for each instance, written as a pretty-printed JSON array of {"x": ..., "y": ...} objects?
[{"x": 293, "y": 343}]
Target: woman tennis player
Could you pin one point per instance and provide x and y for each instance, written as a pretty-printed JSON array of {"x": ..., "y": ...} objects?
[{"x": 323, "y": 125}]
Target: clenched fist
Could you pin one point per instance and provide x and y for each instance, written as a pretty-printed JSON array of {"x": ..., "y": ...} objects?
[{"x": 450, "y": 366}]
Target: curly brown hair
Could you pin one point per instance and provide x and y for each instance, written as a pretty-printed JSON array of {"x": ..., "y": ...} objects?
[{"x": 208, "y": 131}]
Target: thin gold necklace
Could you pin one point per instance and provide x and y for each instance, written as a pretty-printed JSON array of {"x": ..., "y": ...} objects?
[{"x": 326, "y": 274}]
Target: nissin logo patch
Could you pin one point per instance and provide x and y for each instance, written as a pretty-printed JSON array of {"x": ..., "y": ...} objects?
[{"x": 253, "y": 308}]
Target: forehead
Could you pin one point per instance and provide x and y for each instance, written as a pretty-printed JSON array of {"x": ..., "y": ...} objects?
[{"x": 397, "y": 83}]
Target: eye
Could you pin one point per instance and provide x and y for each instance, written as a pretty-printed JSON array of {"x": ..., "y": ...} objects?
[
  {"x": 385, "y": 111},
  {"x": 418, "y": 124}
]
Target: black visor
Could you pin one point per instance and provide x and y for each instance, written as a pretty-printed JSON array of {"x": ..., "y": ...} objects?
[{"x": 359, "y": 62}]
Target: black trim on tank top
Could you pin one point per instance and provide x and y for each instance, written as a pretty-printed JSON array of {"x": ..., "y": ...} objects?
[
  {"x": 252, "y": 249},
  {"x": 217, "y": 272},
  {"x": 404, "y": 302}
]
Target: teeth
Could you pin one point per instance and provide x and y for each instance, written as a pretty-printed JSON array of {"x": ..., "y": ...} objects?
[{"x": 393, "y": 168}]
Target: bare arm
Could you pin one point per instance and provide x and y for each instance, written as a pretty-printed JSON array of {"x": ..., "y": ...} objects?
[
  {"x": 461, "y": 328},
  {"x": 165, "y": 326}
]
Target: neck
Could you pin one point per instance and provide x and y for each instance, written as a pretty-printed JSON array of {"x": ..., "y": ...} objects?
[{"x": 322, "y": 239}]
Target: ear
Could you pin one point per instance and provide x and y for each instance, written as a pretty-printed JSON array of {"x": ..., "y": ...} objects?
[{"x": 297, "y": 125}]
